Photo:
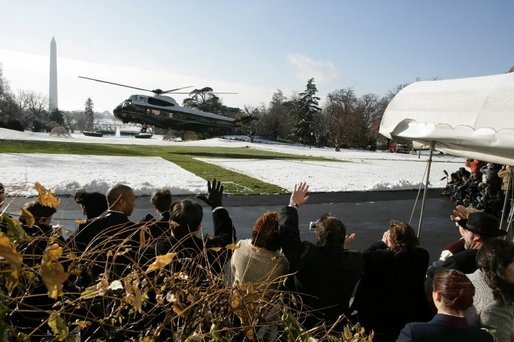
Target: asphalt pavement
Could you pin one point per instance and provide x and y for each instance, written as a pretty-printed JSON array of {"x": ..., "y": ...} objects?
[{"x": 365, "y": 213}]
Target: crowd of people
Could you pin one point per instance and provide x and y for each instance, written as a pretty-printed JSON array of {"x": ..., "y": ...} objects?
[
  {"x": 391, "y": 288},
  {"x": 479, "y": 185}
]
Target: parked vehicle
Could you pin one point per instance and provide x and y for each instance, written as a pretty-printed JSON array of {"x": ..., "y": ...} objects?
[{"x": 399, "y": 148}]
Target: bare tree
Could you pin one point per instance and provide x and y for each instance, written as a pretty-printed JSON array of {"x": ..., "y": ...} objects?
[
  {"x": 339, "y": 116},
  {"x": 29, "y": 100},
  {"x": 278, "y": 118}
]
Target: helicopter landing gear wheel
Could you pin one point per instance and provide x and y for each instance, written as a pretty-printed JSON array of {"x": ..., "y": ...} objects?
[{"x": 144, "y": 128}]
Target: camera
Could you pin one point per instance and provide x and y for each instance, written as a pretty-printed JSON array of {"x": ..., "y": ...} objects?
[{"x": 312, "y": 225}]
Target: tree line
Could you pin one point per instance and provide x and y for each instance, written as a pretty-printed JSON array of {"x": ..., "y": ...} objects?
[{"x": 342, "y": 120}]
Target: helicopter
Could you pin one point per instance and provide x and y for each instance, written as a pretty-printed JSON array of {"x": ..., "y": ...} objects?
[{"x": 164, "y": 112}]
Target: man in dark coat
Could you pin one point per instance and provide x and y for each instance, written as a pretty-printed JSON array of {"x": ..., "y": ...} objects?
[
  {"x": 114, "y": 224},
  {"x": 324, "y": 273},
  {"x": 475, "y": 229},
  {"x": 110, "y": 242},
  {"x": 108, "y": 247}
]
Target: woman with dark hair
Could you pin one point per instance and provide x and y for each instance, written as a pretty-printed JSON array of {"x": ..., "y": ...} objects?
[
  {"x": 258, "y": 259},
  {"x": 36, "y": 219},
  {"x": 453, "y": 294},
  {"x": 494, "y": 282},
  {"x": 93, "y": 204},
  {"x": 391, "y": 292}
]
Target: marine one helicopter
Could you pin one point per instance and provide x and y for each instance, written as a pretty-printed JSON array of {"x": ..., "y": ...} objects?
[{"x": 164, "y": 112}]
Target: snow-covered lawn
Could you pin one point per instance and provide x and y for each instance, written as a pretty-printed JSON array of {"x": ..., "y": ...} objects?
[{"x": 351, "y": 170}]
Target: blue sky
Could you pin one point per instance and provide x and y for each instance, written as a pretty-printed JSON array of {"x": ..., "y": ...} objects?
[{"x": 250, "y": 47}]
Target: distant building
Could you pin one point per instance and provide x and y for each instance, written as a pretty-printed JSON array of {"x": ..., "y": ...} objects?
[{"x": 52, "y": 94}]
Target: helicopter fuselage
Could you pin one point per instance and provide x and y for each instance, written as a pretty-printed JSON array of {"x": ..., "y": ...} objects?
[{"x": 165, "y": 112}]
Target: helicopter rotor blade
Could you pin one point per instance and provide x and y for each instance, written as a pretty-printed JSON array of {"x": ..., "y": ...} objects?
[
  {"x": 118, "y": 84},
  {"x": 174, "y": 90},
  {"x": 155, "y": 91}
]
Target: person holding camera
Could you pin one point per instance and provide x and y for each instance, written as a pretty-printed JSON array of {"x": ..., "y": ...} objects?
[
  {"x": 323, "y": 273},
  {"x": 391, "y": 292}
]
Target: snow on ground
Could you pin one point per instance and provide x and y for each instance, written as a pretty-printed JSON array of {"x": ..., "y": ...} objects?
[
  {"x": 350, "y": 170},
  {"x": 65, "y": 174}
]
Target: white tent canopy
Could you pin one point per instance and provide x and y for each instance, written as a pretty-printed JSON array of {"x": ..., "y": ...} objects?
[{"x": 468, "y": 117}]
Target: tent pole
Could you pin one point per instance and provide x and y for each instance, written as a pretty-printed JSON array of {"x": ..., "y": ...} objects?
[
  {"x": 506, "y": 199},
  {"x": 426, "y": 188}
]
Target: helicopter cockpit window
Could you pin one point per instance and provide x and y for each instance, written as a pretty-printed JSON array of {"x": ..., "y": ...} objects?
[{"x": 159, "y": 102}]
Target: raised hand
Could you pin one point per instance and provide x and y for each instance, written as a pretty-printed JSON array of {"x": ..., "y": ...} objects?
[
  {"x": 386, "y": 239},
  {"x": 214, "y": 194},
  {"x": 348, "y": 239},
  {"x": 299, "y": 195}
]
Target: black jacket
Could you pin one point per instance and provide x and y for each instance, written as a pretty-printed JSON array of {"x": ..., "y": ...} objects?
[
  {"x": 200, "y": 250},
  {"x": 464, "y": 261},
  {"x": 443, "y": 328},
  {"x": 161, "y": 226},
  {"x": 391, "y": 292},
  {"x": 108, "y": 243},
  {"x": 112, "y": 226},
  {"x": 326, "y": 276}
]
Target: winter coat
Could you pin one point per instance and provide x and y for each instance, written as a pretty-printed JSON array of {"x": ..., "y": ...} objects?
[
  {"x": 203, "y": 251},
  {"x": 325, "y": 276},
  {"x": 391, "y": 292},
  {"x": 443, "y": 328}
]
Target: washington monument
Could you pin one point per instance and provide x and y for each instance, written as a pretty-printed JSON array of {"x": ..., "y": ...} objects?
[{"x": 52, "y": 94}]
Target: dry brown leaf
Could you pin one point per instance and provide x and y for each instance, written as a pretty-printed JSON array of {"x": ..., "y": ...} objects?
[
  {"x": 13, "y": 259},
  {"x": 161, "y": 261},
  {"x": 46, "y": 197},
  {"x": 9, "y": 253},
  {"x": 215, "y": 249},
  {"x": 243, "y": 301},
  {"x": 82, "y": 324},
  {"x": 58, "y": 326},
  {"x": 178, "y": 310},
  {"x": 138, "y": 299},
  {"x": 232, "y": 246},
  {"x": 29, "y": 218},
  {"x": 52, "y": 272},
  {"x": 14, "y": 227},
  {"x": 52, "y": 253}
]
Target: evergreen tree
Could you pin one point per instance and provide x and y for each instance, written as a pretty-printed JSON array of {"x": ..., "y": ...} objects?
[
  {"x": 10, "y": 112},
  {"x": 89, "y": 114},
  {"x": 305, "y": 109},
  {"x": 57, "y": 117}
]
